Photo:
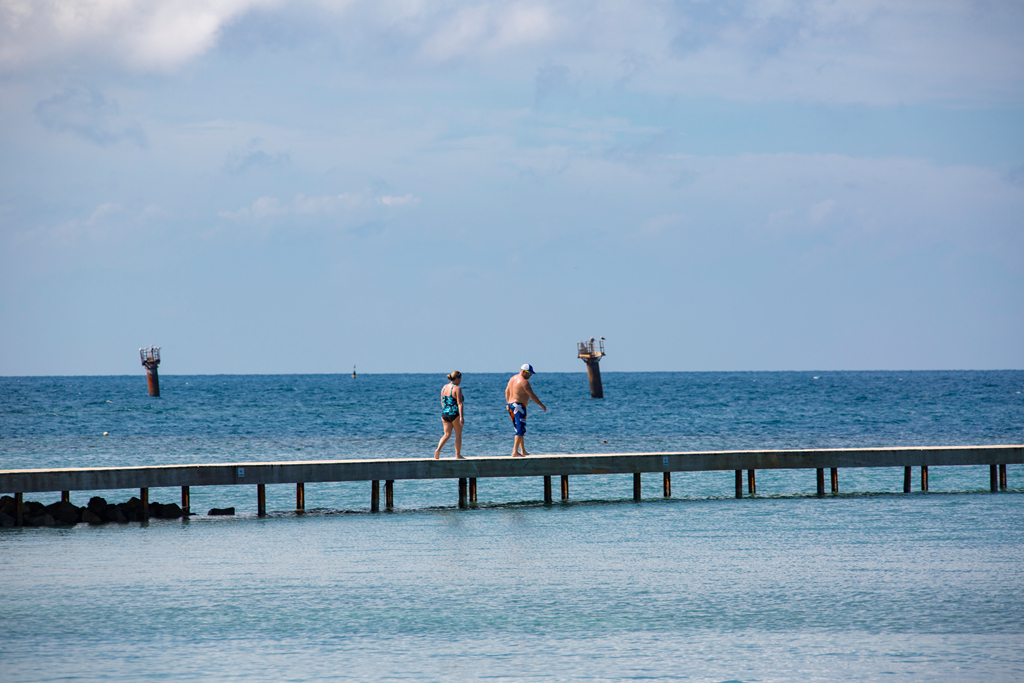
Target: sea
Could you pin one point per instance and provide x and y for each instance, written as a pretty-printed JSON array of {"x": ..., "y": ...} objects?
[{"x": 868, "y": 584}]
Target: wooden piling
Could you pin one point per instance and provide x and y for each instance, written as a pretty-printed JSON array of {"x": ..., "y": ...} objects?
[
  {"x": 739, "y": 483},
  {"x": 547, "y": 490},
  {"x": 65, "y": 496},
  {"x": 186, "y": 502},
  {"x": 636, "y": 486},
  {"x": 19, "y": 509},
  {"x": 144, "y": 497},
  {"x": 389, "y": 493},
  {"x": 261, "y": 500},
  {"x": 565, "y": 487},
  {"x": 1002, "y": 477},
  {"x": 472, "y": 490},
  {"x": 375, "y": 495},
  {"x": 993, "y": 478},
  {"x": 835, "y": 480},
  {"x": 924, "y": 478},
  {"x": 667, "y": 485},
  {"x": 821, "y": 481},
  {"x": 751, "y": 482},
  {"x": 462, "y": 494},
  {"x": 300, "y": 497},
  {"x": 907, "y": 476}
]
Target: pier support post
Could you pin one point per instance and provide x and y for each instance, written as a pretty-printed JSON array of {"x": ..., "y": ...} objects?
[
  {"x": 821, "y": 481},
  {"x": 462, "y": 494},
  {"x": 835, "y": 480},
  {"x": 751, "y": 482},
  {"x": 261, "y": 500},
  {"x": 636, "y": 486},
  {"x": 667, "y": 485},
  {"x": 144, "y": 497},
  {"x": 389, "y": 493},
  {"x": 19, "y": 509},
  {"x": 907, "y": 475},
  {"x": 472, "y": 490},
  {"x": 186, "y": 502},
  {"x": 65, "y": 496},
  {"x": 1002, "y": 476},
  {"x": 993, "y": 478},
  {"x": 375, "y": 495},
  {"x": 565, "y": 487},
  {"x": 300, "y": 497},
  {"x": 547, "y": 490},
  {"x": 924, "y": 478},
  {"x": 739, "y": 483}
]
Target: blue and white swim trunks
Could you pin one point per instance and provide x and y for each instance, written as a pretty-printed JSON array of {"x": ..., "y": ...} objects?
[{"x": 517, "y": 411}]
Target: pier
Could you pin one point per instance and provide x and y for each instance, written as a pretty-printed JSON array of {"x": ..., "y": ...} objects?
[{"x": 469, "y": 470}]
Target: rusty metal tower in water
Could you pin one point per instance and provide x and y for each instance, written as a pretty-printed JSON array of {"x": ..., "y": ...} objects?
[
  {"x": 151, "y": 359},
  {"x": 592, "y": 351}
]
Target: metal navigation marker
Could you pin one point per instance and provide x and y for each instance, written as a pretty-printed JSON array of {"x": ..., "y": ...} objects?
[
  {"x": 151, "y": 359},
  {"x": 592, "y": 351}
]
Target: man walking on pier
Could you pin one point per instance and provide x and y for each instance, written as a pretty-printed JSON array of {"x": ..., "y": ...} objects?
[{"x": 518, "y": 394}]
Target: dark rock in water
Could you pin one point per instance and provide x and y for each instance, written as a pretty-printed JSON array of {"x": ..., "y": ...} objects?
[
  {"x": 40, "y": 520},
  {"x": 156, "y": 510},
  {"x": 7, "y": 505},
  {"x": 64, "y": 512},
  {"x": 97, "y": 505},
  {"x": 115, "y": 513},
  {"x": 34, "y": 509},
  {"x": 170, "y": 511},
  {"x": 6, "y": 520},
  {"x": 90, "y": 517},
  {"x": 221, "y": 511}
]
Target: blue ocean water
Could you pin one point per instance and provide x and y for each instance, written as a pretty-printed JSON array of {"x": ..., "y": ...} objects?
[{"x": 869, "y": 584}]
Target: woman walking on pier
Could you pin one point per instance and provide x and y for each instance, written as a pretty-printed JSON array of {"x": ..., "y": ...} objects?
[{"x": 452, "y": 414}]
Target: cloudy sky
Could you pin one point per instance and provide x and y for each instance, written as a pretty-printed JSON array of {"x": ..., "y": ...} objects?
[{"x": 283, "y": 187}]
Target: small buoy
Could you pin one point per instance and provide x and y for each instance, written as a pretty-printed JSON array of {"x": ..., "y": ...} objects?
[
  {"x": 604, "y": 442},
  {"x": 105, "y": 433}
]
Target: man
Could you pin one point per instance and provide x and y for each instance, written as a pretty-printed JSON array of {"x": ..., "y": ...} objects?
[{"x": 518, "y": 394}]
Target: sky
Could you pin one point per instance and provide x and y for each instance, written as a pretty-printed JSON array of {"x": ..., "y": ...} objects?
[{"x": 259, "y": 186}]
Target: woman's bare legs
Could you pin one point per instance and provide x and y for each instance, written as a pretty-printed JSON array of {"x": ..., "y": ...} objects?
[
  {"x": 448, "y": 435},
  {"x": 458, "y": 437}
]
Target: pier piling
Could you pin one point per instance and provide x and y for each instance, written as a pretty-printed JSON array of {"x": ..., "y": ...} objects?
[
  {"x": 462, "y": 493},
  {"x": 300, "y": 497},
  {"x": 375, "y": 496},
  {"x": 547, "y": 490},
  {"x": 835, "y": 480},
  {"x": 993, "y": 478},
  {"x": 19, "y": 509},
  {"x": 751, "y": 482},
  {"x": 186, "y": 502},
  {"x": 65, "y": 496},
  {"x": 1002, "y": 476},
  {"x": 144, "y": 497},
  {"x": 667, "y": 485},
  {"x": 565, "y": 487},
  {"x": 739, "y": 483},
  {"x": 261, "y": 500},
  {"x": 821, "y": 481},
  {"x": 389, "y": 493},
  {"x": 907, "y": 476},
  {"x": 636, "y": 486},
  {"x": 924, "y": 478}
]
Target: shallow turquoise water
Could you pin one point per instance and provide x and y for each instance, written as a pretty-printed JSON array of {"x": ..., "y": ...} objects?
[{"x": 871, "y": 584}]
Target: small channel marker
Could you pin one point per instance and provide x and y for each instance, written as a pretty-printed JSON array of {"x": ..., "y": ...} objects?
[
  {"x": 592, "y": 352},
  {"x": 151, "y": 359}
]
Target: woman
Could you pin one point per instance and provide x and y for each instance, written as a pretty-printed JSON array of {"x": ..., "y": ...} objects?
[{"x": 452, "y": 414}]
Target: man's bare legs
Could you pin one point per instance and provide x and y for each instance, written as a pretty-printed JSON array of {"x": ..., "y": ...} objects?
[{"x": 519, "y": 445}]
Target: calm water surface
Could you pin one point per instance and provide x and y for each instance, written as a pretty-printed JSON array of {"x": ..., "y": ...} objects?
[{"x": 871, "y": 584}]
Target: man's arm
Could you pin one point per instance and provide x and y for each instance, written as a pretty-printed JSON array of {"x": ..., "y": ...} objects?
[{"x": 533, "y": 396}]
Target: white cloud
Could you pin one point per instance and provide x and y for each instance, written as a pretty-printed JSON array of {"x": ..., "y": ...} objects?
[
  {"x": 325, "y": 205},
  {"x": 407, "y": 200},
  {"x": 108, "y": 223}
]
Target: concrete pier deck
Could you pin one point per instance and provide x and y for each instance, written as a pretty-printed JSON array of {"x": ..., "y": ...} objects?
[{"x": 299, "y": 472}]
